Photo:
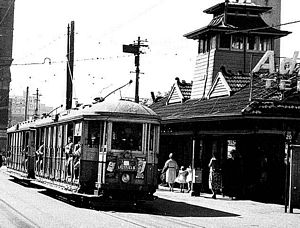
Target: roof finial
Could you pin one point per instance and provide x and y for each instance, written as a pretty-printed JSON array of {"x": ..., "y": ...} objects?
[{"x": 225, "y": 11}]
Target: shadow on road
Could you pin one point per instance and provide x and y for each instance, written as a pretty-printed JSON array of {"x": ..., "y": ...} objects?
[
  {"x": 181, "y": 209},
  {"x": 162, "y": 207}
]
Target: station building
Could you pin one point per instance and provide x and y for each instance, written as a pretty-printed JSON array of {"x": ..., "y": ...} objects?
[
  {"x": 6, "y": 40},
  {"x": 238, "y": 99}
]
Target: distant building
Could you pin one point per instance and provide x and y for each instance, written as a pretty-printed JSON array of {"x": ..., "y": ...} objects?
[
  {"x": 17, "y": 108},
  {"x": 6, "y": 40}
]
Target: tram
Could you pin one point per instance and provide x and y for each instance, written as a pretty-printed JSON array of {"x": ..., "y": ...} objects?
[{"x": 107, "y": 150}]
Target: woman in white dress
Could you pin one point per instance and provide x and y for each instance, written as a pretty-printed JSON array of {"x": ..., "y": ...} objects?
[{"x": 170, "y": 168}]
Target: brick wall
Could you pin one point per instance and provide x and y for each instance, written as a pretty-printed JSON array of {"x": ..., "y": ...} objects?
[{"x": 6, "y": 39}]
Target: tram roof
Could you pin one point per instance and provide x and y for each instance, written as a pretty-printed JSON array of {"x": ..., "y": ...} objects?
[{"x": 104, "y": 109}]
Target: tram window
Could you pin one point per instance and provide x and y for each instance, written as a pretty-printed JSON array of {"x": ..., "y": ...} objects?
[
  {"x": 127, "y": 136},
  {"x": 93, "y": 134},
  {"x": 151, "y": 137}
]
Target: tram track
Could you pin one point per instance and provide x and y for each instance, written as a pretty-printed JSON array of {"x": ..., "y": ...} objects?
[
  {"x": 155, "y": 220},
  {"x": 20, "y": 220}
]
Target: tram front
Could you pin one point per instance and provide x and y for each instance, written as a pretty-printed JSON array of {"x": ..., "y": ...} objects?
[{"x": 121, "y": 148}]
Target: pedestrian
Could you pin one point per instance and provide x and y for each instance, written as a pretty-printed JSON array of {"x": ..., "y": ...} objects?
[
  {"x": 189, "y": 178},
  {"x": 181, "y": 178},
  {"x": 215, "y": 178},
  {"x": 170, "y": 168},
  {"x": 233, "y": 175},
  {"x": 69, "y": 157}
]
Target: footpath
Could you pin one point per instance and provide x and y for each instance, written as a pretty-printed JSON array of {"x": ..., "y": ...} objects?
[{"x": 225, "y": 212}]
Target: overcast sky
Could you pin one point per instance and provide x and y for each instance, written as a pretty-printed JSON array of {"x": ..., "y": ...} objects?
[{"x": 102, "y": 27}]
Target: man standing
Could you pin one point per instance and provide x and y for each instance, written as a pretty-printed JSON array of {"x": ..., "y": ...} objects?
[{"x": 69, "y": 157}]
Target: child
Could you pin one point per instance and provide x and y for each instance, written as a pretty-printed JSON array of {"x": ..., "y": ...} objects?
[
  {"x": 181, "y": 178},
  {"x": 189, "y": 178}
]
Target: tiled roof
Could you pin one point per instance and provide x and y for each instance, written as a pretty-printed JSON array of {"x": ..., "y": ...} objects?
[
  {"x": 234, "y": 105},
  {"x": 237, "y": 82},
  {"x": 186, "y": 89},
  {"x": 254, "y": 25}
]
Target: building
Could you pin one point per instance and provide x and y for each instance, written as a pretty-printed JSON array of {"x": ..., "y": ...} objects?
[
  {"x": 17, "y": 106},
  {"x": 236, "y": 101},
  {"x": 6, "y": 40}
]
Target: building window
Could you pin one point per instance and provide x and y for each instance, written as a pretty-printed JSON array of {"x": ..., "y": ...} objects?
[
  {"x": 200, "y": 48},
  {"x": 237, "y": 42},
  {"x": 265, "y": 44},
  {"x": 213, "y": 42},
  {"x": 225, "y": 41},
  {"x": 252, "y": 43},
  {"x": 203, "y": 46}
]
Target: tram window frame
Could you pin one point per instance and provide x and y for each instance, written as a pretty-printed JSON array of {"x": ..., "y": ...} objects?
[
  {"x": 94, "y": 129},
  {"x": 122, "y": 140}
]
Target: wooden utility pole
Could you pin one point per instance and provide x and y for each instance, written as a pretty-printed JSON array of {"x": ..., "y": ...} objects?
[
  {"x": 26, "y": 103},
  {"x": 70, "y": 65},
  {"x": 36, "y": 103},
  {"x": 135, "y": 49}
]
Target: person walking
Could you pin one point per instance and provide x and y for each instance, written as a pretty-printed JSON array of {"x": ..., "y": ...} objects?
[
  {"x": 215, "y": 178},
  {"x": 170, "y": 168},
  {"x": 189, "y": 178},
  {"x": 181, "y": 178}
]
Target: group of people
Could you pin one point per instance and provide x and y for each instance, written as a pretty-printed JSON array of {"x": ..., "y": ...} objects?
[
  {"x": 72, "y": 151},
  {"x": 185, "y": 176},
  {"x": 231, "y": 175}
]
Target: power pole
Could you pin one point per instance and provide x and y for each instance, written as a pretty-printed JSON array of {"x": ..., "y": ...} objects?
[
  {"x": 36, "y": 103},
  {"x": 70, "y": 65},
  {"x": 135, "y": 49},
  {"x": 26, "y": 103}
]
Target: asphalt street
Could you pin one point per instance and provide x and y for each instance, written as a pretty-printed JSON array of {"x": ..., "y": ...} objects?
[{"x": 27, "y": 206}]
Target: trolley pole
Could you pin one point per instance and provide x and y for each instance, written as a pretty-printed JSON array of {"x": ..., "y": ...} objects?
[
  {"x": 135, "y": 49},
  {"x": 26, "y": 103}
]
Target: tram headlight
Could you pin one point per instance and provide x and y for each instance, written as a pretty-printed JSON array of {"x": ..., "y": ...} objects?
[{"x": 125, "y": 177}]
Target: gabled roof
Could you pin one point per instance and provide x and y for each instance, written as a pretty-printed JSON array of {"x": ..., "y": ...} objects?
[
  {"x": 180, "y": 92},
  {"x": 219, "y": 87}
]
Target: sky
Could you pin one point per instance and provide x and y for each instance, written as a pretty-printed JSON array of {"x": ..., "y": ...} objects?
[{"x": 101, "y": 28}]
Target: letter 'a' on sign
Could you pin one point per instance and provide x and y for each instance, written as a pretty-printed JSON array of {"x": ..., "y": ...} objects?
[
  {"x": 130, "y": 49},
  {"x": 266, "y": 63}
]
